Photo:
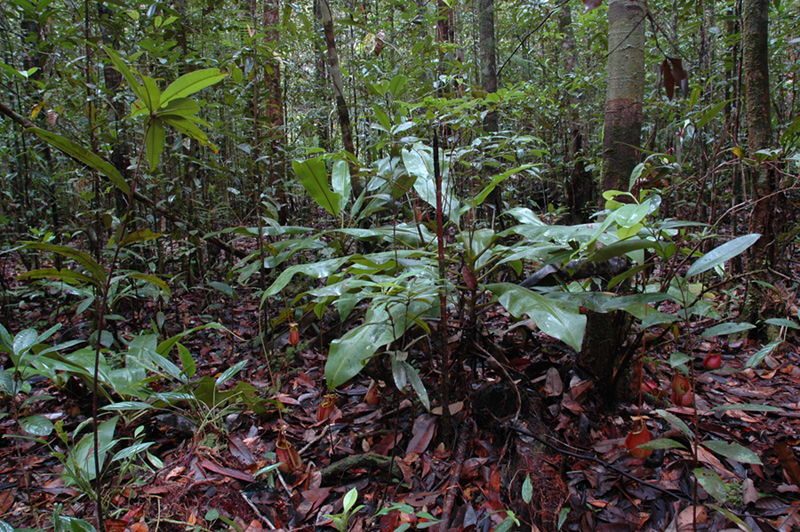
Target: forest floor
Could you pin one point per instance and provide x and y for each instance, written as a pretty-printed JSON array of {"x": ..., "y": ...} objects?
[{"x": 530, "y": 436}]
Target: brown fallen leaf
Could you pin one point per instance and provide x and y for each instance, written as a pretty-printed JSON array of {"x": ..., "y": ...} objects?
[
  {"x": 788, "y": 461},
  {"x": 421, "y": 434}
]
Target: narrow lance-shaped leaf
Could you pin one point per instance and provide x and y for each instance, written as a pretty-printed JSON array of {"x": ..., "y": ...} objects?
[
  {"x": 723, "y": 253},
  {"x": 127, "y": 73},
  {"x": 191, "y": 83},
  {"x": 85, "y": 156},
  {"x": 154, "y": 142}
]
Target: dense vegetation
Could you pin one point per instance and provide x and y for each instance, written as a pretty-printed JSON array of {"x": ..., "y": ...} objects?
[{"x": 229, "y": 230}]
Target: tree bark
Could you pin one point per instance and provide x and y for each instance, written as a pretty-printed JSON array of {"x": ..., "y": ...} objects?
[
  {"x": 764, "y": 219},
  {"x": 274, "y": 109},
  {"x": 338, "y": 87},
  {"x": 625, "y": 91},
  {"x": 488, "y": 57}
]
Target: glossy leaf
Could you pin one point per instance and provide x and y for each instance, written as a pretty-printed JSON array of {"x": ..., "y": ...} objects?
[
  {"x": 712, "y": 483},
  {"x": 127, "y": 73},
  {"x": 341, "y": 182},
  {"x": 314, "y": 178},
  {"x": 190, "y": 83},
  {"x": 154, "y": 142},
  {"x": 734, "y": 451},
  {"x": 747, "y": 407},
  {"x": 36, "y": 425},
  {"x": 84, "y": 156},
  {"x": 95, "y": 272},
  {"x": 722, "y": 254},
  {"x": 662, "y": 443},
  {"x": 726, "y": 328},
  {"x": 554, "y": 318},
  {"x": 676, "y": 422},
  {"x": 758, "y": 357}
]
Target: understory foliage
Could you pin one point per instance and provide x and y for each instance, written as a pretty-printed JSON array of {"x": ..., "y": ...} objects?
[{"x": 138, "y": 164}]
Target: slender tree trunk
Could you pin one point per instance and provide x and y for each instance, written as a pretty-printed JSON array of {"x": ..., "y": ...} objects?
[
  {"x": 488, "y": 57},
  {"x": 625, "y": 91},
  {"x": 274, "y": 108},
  {"x": 764, "y": 219},
  {"x": 338, "y": 87}
]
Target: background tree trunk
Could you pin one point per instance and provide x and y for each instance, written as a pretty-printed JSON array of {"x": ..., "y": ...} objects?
[{"x": 624, "y": 93}]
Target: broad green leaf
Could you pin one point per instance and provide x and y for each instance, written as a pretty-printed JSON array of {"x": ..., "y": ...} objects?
[
  {"x": 496, "y": 180},
  {"x": 782, "y": 322},
  {"x": 24, "y": 340},
  {"x": 527, "y": 490},
  {"x": 317, "y": 270},
  {"x": 135, "y": 406},
  {"x": 758, "y": 357},
  {"x": 733, "y": 517},
  {"x": 84, "y": 156},
  {"x": 127, "y": 73},
  {"x": 154, "y": 280},
  {"x": 734, "y": 451},
  {"x": 417, "y": 385},
  {"x": 418, "y": 160},
  {"x": 187, "y": 361},
  {"x": 94, "y": 270},
  {"x": 340, "y": 180},
  {"x": 553, "y": 317},
  {"x": 721, "y": 254},
  {"x": 349, "y": 353},
  {"x": 131, "y": 451},
  {"x": 152, "y": 94},
  {"x": 349, "y": 499},
  {"x": 36, "y": 425},
  {"x": 676, "y": 422},
  {"x": 709, "y": 115},
  {"x": 154, "y": 142},
  {"x": 676, "y": 358},
  {"x": 662, "y": 443},
  {"x": 617, "y": 249},
  {"x": 712, "y": 483},
  {"x": 726, "y": 328},
  {"x": 188, "y": 128},
  {"x": 314, "y": 178},
  {"x": 66, "y": 275},
  {"x": 230, "y": 372},
  {"x": 81, "y": 457},
  {"x": 747, "y": 407},
  {"x": 182, "y": 107},
  {"x": 191, "y": 83}
]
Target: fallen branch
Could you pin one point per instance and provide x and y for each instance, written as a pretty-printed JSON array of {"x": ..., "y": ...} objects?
[{"x": 338, "y": 469}]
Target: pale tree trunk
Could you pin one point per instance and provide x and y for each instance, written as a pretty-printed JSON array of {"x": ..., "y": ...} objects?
[
  {"x": 488, "y": 57},
  {"x": 603, "y": 351},
  {"x": 625, "y": 90},
  {"x": 338, "y": 87}
]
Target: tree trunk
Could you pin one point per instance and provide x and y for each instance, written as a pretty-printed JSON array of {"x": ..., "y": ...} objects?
[
  {"x": 274, "y": 109},
  {"x": 763, "y": 220},
  {"x": 338, "y": 87},
  {"x": 488, "y": 61},
  {"x": 625, "y": 78}
]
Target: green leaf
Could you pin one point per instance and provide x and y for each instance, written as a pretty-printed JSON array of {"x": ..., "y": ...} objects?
[
  {"x": 709, "y": 115},
  {"x": 318, "y": 270},
  {"x": 24, "y": 340},
  {"x": 349, "y": 499},
  {"x": 676, "y": 422},
  {"x": 527, "y": 490},
  {"x": 37, "y": 425},
  {"x": 154, "y": 142},
  {"x": 187, "y": 361},
  {"x": 314, "y": 178},
  {"x": 620, "y": 248},
  {"x": 188, "y": 128},
  {"x": 135, "y": 406},
  {"x": 782, "y": 322},
  {"x": 140, "y": 236},
  {"x": 734, "y": 451},
  {"x": 96, "y": 273},
  {"x": 554, "y": 318},
  {"x": 131, "y": 451},
  {"x": 340, "y": 180},
  {"x": 64, "y": 274},
  {"x": 230, "y": 372},
  {"x": 676, "y": 358},
  {"x": 181, "y": 107},
  {"x": 154, "y": 280},
  {"x": 152, "y": 94},
  {"x": 191, "y": 83},
  {"x": 712, "y": 483},
  {"x": 726, "y": 328},
  {"x": 84, "y": 156},
  {"x": 127, "y": 73},
  {"x": 416, "y": 383},
  {"x": 496, "y": 180},
  {"x": 349, "y": 353},
  {"x": 662, "y": 443},
  {"x": 758, "y": 357},
  {"x": 722, "y": 253}
]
